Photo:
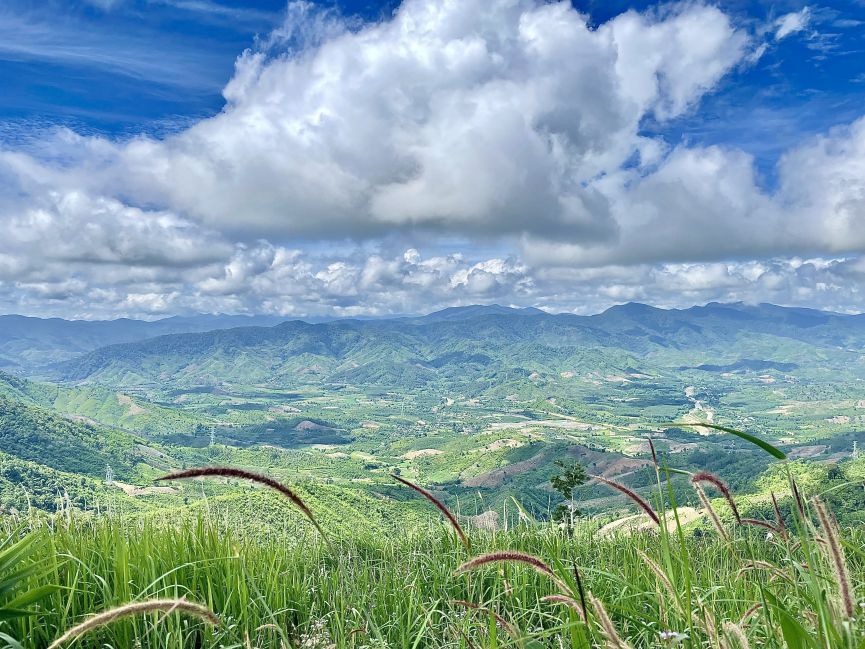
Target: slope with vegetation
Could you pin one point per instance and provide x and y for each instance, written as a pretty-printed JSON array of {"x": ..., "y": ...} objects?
[{"x": 726, "y": 584}]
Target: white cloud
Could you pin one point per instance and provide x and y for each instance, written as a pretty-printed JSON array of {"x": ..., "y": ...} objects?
[
  {"x": 479, "y": 117},
  {"x": 704, "y": 203},
  {"x": 74, "y": 227},
  {"x": 792, "y": 22},
  {"x": 34, "y": 32},
  {"x": 104, "y": 5},
  {"x": 264, "y": 278},
  {"x": 511, "y": 124}
]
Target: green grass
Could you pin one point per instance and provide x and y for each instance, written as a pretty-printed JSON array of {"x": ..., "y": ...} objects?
[{"x": 397, "y": 588}]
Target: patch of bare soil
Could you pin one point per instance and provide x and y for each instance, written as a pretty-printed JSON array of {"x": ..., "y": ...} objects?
[
  {"x": 132, "y": 490},
  {"x": 498, "y": 445},
  {"x": 306, "y": 424},
  {"x": 84, "y": 420},
  {"x": 807, "y": 451},
  {"x": 488, "y": 520},
  {"x": 609, "y": 465},
  {"x": 132, "y": 408},
  {"x": 424, "y": 452},
  {"x": 497, "y": 477},
  {"x": 641, "y": 522}
]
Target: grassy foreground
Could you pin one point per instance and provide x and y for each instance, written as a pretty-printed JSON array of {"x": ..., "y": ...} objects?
[{"x": 790, "y": 588}]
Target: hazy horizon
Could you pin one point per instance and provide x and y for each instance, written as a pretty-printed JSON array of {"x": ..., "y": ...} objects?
[{"x": 384, "y": 316}]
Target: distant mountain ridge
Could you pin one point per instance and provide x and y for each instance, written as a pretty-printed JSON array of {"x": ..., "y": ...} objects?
[
  {"x": 460, "y": 343},
  {"x": 27, "y": 343}
]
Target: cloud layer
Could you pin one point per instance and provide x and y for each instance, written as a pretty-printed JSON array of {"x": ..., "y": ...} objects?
[{"x": 509, "y": 123}]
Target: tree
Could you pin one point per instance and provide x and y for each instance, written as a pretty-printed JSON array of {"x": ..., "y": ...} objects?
[{"x": 572, "y": 476}]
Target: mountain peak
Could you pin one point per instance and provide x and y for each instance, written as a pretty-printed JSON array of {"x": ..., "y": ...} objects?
[{"x": 474, "y": 310}]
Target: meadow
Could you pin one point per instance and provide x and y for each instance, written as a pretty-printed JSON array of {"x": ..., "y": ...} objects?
[{"x": 789, "y": 580}]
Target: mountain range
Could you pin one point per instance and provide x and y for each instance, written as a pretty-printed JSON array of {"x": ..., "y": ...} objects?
[
  {"x": 478, "y": 400},
  {"x": 461, "y": 344}
]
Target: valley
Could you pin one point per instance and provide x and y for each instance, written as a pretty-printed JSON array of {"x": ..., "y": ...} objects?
[{"x": 479, "y": 403}]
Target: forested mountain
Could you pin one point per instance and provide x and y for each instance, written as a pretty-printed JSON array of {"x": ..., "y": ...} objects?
[
  {"x": 39, "y": 435},
  {"x": 461, "y": 345},
  {"x": 481, "y": 401}
]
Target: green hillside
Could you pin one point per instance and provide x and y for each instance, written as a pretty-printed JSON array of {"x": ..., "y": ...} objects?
[{"x": 480, "y": 401}]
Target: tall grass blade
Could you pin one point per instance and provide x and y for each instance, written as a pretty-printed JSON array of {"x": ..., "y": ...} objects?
[
  {"x": 441, "y": 507},
  {"x": 774, "y": 451}
]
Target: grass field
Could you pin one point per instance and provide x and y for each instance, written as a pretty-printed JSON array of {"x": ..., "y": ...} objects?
[{"x": 790, "y": 582}]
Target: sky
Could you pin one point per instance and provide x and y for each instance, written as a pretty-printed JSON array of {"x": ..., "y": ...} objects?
[{"x": 374, "y": 157}]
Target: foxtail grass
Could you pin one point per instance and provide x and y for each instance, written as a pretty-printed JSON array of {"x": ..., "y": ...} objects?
[
  {"x": 836, "y": 557},
  {"x": 720, "y": 485},
  {"x": 570, "y": 602},
  {"x": 137, "y": 608},
  {"x": 711, "y": 513},
  {"x": 633, "y": 495},
  {"x": 779, "y": 519},
  {"x": 510, "y": 556},
  {"x": 400, "y": 590},
  {"x": 511, "y": 630},
  {"x": 464, "y": 539},
  {"x": 231, "y": 472},
  {"x": 614, "y": 640}
]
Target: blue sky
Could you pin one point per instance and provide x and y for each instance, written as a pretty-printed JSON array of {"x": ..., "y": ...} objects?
[
  {"x": 122, "y": 67},
  {"x": 127, "y": 66},
  {"x": 726, "y": 169}
]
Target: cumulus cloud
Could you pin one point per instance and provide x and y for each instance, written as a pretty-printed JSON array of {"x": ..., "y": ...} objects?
[
  {"x": 513, "y": 123},
  {"x": 481, "y": 117},
  {"x": 704, "y": 203},
  {"x": 264, "y": 278}
]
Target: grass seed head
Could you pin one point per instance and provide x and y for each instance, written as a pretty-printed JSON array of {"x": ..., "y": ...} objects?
[
  {"x": 797, "y": 497},
  {"x": 137, "y": 608},
  {"x": 231, "y": 472},
  {"x": 711, "y": 513},
  {"x": 633, "y": 495},
  {"x": 750, "y": 612},
  {"x": 659, "y": 573},
  {"x": 464, "y": 539},
  {"x": 779, "y": 520},
  {"x": 614, "y": 640},
  {"x": 502, "y": 622},
  {"x": 654, "y": 454},
  {"x": 570, "y": 602},
  {"x": 757, "y": 522},
  {"x": 735, "y": 635},
  {"x": 720, "y": 485},
  {"x": 836, "y": 556},
  {"x": 512, "y": 556}
]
